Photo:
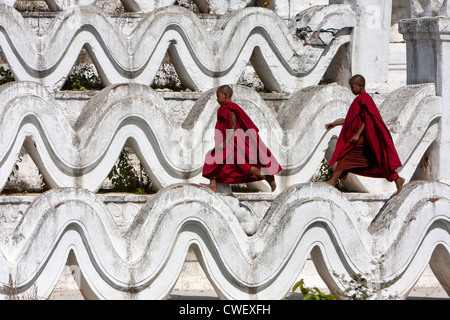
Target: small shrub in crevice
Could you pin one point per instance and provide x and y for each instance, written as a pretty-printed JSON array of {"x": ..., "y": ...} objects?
[
  {"x": 82, "y": 78},
  {"x": 311, "y": 293},
  {"x": 125, "y": 178},
  {"x": 6, "y": 76}
]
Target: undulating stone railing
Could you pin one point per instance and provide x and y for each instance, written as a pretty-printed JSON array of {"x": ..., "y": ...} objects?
[
  {"x": 144, "y": 261},
  {"x": 203, "y": 59}
]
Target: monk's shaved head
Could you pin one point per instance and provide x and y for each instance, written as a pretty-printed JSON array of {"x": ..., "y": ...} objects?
[
  {"x": 358, "y": 79},
  {"x": 357, "y": 84},
  {"x": 226, "y": 89}
]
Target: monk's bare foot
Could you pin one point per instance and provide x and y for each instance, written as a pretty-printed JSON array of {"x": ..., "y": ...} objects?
[
  {"x": 212, "y": 187},
  {"x": 272, "y": 183},
  {"x": 399, "y": 184}
]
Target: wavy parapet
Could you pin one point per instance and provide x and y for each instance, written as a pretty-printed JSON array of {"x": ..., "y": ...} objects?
[
  {"x": 203, "y": 59},
  {"x": 72, "y": 225},
  {"x": 82, "y": 155},
  {"x": 204, "y": 6},
  {"x": 284, "y": 8}
]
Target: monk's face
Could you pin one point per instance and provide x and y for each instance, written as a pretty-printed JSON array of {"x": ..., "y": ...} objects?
[
  {"x": 356, "y": 87},
  {"x": 222, "y": 97}
]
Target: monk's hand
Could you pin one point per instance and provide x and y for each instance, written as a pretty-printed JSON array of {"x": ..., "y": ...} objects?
[
  {"x": 330, "y": 126},
  {"x": 355, "y": 139}
]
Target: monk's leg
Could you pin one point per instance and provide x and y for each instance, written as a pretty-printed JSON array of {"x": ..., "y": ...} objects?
[
  {"x": 399, "y": 181},
  {"x": 212, "y": 185},
  {"x": 399, "y": 184},
  {"x": 270, "y": 179},
  {"x": 334, "y": 178}
]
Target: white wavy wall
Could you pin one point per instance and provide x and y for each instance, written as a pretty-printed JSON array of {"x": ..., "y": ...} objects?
[
  {"x": 243, "y": 256},
  {"x": 145, "y": 260}
]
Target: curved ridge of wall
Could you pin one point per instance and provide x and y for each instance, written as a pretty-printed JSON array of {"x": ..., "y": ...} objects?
[
  {"x": 83, "y": 155},
  {"x": 145, "y": 261},
  {"x": 202, "y": 59},
  {"x": 284, "y": 8}
]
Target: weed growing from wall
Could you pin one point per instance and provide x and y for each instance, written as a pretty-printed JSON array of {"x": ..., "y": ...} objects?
[
  {"x": 82, "y": 78},
  {"x": 167, "y": 77},
  {"x": 188, "y": 4},
  {"x": 125, "y": 177},
  {"x": 6, "y": 76},
  {"x": 15, "y": 169},
  {"x": 324, "y": 173},
  {"x": 311, "y": 293}
]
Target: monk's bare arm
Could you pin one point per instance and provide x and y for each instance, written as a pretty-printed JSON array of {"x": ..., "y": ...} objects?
[
  {"x": 230, "y": 133},
  {"x": 356, "y": 137},
  {"x": 338, "y": 122}
]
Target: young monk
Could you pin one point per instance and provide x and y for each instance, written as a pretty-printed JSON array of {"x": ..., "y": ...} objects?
[
  {"x": 365, "y": 146},
  {"x": 239, "y": 156}
]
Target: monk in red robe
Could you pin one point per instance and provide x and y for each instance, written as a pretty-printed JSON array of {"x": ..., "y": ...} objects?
[
  {"x": 239, "y": 155},
  {"x": 365, "y": 146}
]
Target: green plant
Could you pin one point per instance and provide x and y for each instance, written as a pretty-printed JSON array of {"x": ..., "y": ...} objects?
[
  {"x": 16, "y": 186},
  {"x": 125, "y": 178},
  {"x": 5, "y": 76},
  {"x": 82, "y": 78},
  {"x": 188, "y": 4},
  {"x": 15, "y": 169},
  {"x": 167, "y": 78},
  {"x": 311, "y": 293},
  {"x": 140, "y": 191},
  {"x": 358, "y": 288},
  {"x": 325, "y": 172},
  {"x": 366, "y": 286}
]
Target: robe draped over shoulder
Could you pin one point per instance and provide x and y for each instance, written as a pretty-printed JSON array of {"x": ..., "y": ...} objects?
[
  {"x": 232, "y": 165},
  {"x": 383, "y": 155}
]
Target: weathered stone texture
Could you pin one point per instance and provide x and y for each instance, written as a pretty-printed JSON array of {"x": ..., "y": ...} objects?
[{"x": 250, "y": 245}]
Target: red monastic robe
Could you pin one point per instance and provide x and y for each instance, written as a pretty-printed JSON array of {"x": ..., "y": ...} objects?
[
  {"x": 232, "y": 165},
  {"x": 374, "y": 155}
]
